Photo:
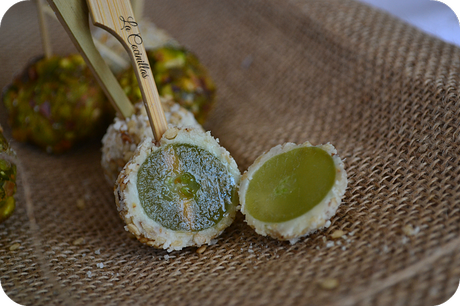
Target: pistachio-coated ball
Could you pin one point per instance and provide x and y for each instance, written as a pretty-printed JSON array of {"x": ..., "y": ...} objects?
[
  {"x": 55, "y": 103},
  {"x": 178, "y": 75}
]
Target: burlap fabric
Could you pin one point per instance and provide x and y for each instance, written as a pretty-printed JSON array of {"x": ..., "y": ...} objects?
[{"x": 385, "y": 94}]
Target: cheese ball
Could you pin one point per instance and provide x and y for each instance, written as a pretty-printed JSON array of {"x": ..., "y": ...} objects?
[
  {"x": 55, "y": 103},
  {"x": 180, "y": 193},
  {"x": 123, "y": 136}
]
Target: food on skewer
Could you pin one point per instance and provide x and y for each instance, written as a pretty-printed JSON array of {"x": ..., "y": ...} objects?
[
  {"x": 182, "y": 192},
  {"x": 292, "y": 190},
  {"x": 178, "y": 75},
  {"x": 7, "y": 179},
  {"x": 180, "y": 189},
  {"x": 123, "y": 136},
  {"x": 55, "y": 103}
]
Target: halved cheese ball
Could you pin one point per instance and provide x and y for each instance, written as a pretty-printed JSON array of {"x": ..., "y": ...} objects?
[
  {"x": 292, "y": 190},
  {"x": 180, "y": 193},
  {"x": 123, "y": 136}
]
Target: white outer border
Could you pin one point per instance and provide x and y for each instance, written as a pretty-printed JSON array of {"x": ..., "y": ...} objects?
[
  {"x": 127, "y": 198},
  {"x": 309, "y": 222}
]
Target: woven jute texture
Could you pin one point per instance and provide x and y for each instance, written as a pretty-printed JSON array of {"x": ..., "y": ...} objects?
[{"x": 385, "y": 94}]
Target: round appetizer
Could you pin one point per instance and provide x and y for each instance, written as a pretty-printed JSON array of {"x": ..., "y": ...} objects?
[
  {"x": 292, "y": 190},
  {"x": 123, "y": 136},
  {"x": 178, "y": 75},
  {"x": 180, "y": 193},
  {"x": 56, "y": 103},
  {"x": 7, "y": 179}
]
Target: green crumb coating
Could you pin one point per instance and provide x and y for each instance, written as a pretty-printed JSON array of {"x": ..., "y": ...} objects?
[
  {"x": 56, "y": 103},
  {"x": 185, "y": 188},
  {"x": 4, "y": 145},
  {"x": 7, "y": 180},
  {"x": 179, "y": 75},
  {"x": 290, "y": 184}
]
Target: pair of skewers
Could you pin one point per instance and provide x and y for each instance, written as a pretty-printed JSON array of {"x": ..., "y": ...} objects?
[{"x": 74, "y": 17}]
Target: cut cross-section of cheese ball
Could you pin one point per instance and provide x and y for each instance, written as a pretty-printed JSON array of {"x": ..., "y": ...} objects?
[
  {"x": 180, "y": 193},
  {"x": 123, "y": 136},
  {"x": 292, "y": 190}
]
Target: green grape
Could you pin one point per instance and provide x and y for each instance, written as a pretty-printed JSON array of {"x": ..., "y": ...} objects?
[
  {"x": 185, "y": 188},
  {"x": 290, "y": 184}
]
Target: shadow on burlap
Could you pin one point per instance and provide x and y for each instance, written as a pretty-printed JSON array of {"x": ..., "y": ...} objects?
[{"x": 385, "y": 94}]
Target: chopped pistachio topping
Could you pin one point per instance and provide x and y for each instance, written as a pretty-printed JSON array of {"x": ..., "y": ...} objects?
[
  {"x": 55, "y": 103},
  {"x": 4, "y": 146},
  {"x": 7, "y": 188}
]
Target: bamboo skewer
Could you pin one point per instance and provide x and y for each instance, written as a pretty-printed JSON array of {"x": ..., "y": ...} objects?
[
  {"x": 73, "y": 15},
  {"x": 117, "y": 17},
  {"x": 43, "y": 30},
  {"x": 48, "y": 10}
]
